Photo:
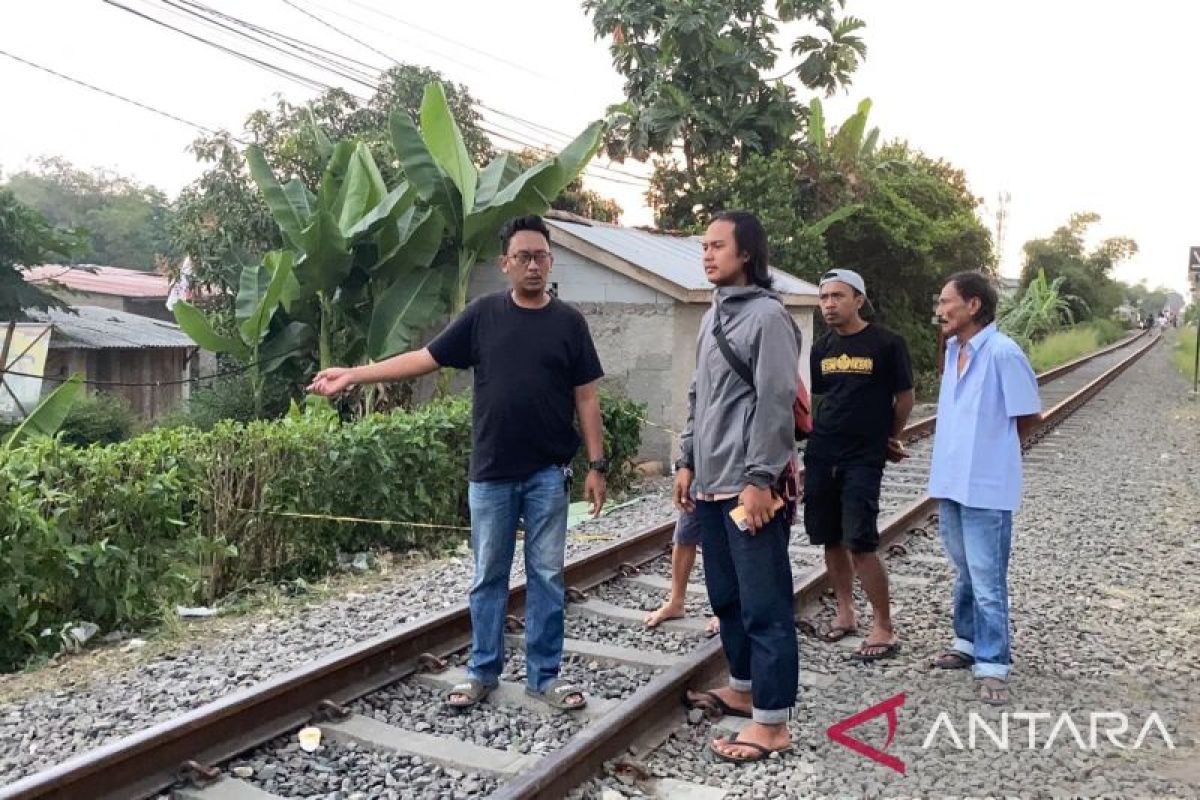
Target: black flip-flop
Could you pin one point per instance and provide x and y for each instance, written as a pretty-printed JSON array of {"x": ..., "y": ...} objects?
[
  {"x": 763, "y": 752},
  {"x": 714, "y": 701},
  {"x": 889, "y": 650},
  {"x": 960, "y": 660}
]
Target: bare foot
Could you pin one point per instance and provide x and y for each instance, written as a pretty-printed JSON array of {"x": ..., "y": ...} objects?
[
  {"x": 772, "y": 737},
  {"x": 713, "y": 627},
  {"x": 668, "y": 611}
]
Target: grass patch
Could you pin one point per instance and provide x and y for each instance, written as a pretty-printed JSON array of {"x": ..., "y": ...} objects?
[
  {"x": 1184, "y": 352},
  {"x": 1066, "y": 345}
]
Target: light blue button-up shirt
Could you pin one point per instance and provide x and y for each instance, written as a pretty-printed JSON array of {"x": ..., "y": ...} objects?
[{"x": 976, "y": 449}]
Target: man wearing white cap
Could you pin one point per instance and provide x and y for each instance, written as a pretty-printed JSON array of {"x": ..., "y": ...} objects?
[{"x": 863, "y": 374}]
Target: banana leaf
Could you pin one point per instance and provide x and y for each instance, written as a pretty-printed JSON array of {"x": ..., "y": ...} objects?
[
  {"x": 48, "y": 416},
  {"x": 432, "y": 185},
  {"x": 445, "y": 142},
  {"x": 196, "y": 326},
  {"x": 409, "y": 306},
  {"x": 259, "y": 293}
]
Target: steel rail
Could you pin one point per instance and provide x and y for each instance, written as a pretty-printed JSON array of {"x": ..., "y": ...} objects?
[{"x": 151, "y": 760}]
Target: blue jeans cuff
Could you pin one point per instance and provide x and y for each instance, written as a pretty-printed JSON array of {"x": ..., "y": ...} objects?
[
  {"x": 774, "y": 716},
  {"x": 739, "y": 685},
  {"x": 991, "y": 671},
  {"x": 964, "y": 647}
]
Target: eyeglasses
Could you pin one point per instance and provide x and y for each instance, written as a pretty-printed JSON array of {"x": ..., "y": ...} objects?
[{"x": 523, "y": 257}]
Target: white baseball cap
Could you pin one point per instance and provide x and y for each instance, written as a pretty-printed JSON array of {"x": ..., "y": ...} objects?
[{"x": 846, "y": 276}]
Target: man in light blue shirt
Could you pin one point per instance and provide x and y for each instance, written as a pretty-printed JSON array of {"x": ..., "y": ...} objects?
[{"x": 987, "y": 406}]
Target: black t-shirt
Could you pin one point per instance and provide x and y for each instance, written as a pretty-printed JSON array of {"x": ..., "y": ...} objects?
[
  {"x": 857, "y": 377},
  {"x": 527, "y": 364}
]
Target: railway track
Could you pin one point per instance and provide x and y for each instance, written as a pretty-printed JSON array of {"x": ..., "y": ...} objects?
[{"x": 366, "y": 698}]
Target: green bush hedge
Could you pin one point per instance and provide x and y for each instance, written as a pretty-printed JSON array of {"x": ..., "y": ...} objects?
[
  {"x": 98, "y": 418},
  {"x": 118, "y": 535}
]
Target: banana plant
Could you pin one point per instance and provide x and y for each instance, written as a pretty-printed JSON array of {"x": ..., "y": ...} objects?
[
  {"x": 254, "y": 341},
  {"x": 361, "y": 251},
  {"x": 475, "y": 203},
  {"x": 852, "y": 142}
]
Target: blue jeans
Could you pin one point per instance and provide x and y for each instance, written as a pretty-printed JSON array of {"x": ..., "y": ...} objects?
[
  {"x": 749, "y": 581},
  {"x": 978, "y": 542},
  {"x": 540, "y": 500}
]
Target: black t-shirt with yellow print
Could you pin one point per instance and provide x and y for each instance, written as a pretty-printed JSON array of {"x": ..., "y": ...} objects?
[{"x": 857, "y": 377}]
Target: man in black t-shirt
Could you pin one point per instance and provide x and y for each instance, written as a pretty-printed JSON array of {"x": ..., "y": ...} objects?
[
  {"x": 863, "y": 375},
  {"x": 535, "y": 367}
]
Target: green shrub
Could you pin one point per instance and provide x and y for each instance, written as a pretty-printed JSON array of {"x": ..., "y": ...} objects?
[
  {"x": 114, "y": 535},
  {"x": 1067, "y": 345},
  {"x": 98, "y": 418},
  {"x": 231, "y": 398},
  {"x": 1184, "y": 353},
  {"x": 622, "y": 439},
  {"x": 1108, "y": 330}
]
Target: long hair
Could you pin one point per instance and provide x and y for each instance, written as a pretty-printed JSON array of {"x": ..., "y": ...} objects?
[{"x": 751, "y": 241}]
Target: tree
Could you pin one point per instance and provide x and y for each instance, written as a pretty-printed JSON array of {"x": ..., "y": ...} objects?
[
  {"x": 27, "y": 240},
  {"x": 125, "y": 223},
  {"x": 222, "y": 221},
  {"x": 1086, "y": 275},
  {"x": 902, "y": 219},
  {"x": 697, "y": 86}
]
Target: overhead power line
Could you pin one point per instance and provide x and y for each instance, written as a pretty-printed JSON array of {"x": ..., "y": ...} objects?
[
  {"x": 528, "y": 123},
  {"x": 114, "y": 95}
]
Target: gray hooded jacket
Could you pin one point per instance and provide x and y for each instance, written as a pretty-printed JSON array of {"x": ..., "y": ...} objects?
[{"x": 738, "y": 435}]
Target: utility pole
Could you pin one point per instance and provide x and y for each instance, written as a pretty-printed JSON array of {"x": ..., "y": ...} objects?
[{"x": 1002, "y": 201}]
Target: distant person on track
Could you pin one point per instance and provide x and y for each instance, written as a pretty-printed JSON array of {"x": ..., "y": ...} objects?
[
  {"x": 685, "y": 543},
  {"x": 535, "y": 368},
  {"x": 988, "y": 404},
  {"x": 864, "y": 376},
  {"x": 737, "y": 444}
]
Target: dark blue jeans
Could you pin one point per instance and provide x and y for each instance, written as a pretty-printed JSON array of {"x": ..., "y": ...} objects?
[{"x": 749, "y": 580}]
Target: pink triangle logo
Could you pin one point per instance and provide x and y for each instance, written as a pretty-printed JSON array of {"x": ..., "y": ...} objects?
[{"x": 837, "y": 732}]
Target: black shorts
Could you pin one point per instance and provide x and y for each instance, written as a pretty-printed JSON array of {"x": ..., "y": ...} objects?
[{"x": 841, "y": 505}]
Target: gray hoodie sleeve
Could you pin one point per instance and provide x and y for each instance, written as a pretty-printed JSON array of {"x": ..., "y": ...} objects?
[
  {"x": 771, "y": 442},
  {"x": 685, "y": 439}
]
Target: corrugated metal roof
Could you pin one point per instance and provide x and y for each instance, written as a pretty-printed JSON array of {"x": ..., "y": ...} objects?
[
  {"x": 93, "y": 328},
  {"x": 673, "y": 258},
  {"x": 116, "y": 281}
]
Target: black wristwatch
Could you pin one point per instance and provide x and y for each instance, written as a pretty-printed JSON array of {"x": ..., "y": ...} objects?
[{"x": 600, "y": 465}]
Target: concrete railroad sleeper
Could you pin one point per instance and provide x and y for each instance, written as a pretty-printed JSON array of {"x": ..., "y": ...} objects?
[{"x": 187, "y": 747}]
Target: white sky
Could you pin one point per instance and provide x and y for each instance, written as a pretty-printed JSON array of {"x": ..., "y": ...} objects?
[{"x": 1068, "y": 105}]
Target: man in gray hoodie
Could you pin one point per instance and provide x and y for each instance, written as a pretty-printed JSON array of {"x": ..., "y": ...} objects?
[{"x": 738, "y": 442}]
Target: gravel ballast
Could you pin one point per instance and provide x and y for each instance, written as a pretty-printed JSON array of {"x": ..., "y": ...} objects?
[{"x": 349, "y": 772}]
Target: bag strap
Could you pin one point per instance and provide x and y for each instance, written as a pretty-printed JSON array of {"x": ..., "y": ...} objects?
[{"x": 739, "y": 366}]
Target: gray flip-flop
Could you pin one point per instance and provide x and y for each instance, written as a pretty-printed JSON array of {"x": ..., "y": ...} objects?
[
  {"x": 555, "y": 695},
  {"x": 473, "y": 689}
]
